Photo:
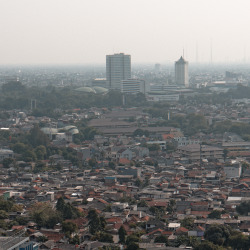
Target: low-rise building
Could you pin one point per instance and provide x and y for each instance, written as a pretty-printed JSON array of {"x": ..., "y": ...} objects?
[{"x": 196, "y": 152}]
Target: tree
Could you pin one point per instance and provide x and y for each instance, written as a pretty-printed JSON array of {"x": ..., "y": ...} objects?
[
  {"x": 239, "y": 241},
  {"x": 245, "y": 166},
  {"x": 132, "y": 246},
  {"x": 104, "y": 237},
  {"x": 243, "y": 208},
  {"x": 171, "y": 206},
  {"x": 145, "y": 183},
  {"x": 225, "y": 153},
  {"x": 158, "y": 212},
  {"x": 53, "y": 219},
  {"x": 13, "y": 86},
  {"x": 3, "y": 215},
  {"x": 153, "y": 147},
  {"x": 19, "y": 148},
  {"x": 96, "y": 223},
  {"x": 69, "y": 227},
  {"x": 138, "y": 182},
  {"x": 215, "y": 214},
  {"x": 39, "y": 167},
  {"x": 92, "y": 162},
  {"x": 161, "y": 239},
  {"x": 188, "y": 223},
  {"x": 207, "y": 245},
  {"x": 140, "y": 132},
  {"x": 42, "y": 238},
  {"x": 7, "y": 162},
  {"x": 21, "y": 220},
  {"x": 6, "y": 205},
  {"x": 131, "y": 239},
  {"x": 29, "y": 155},
  {"x": 170, "y": 147},
  {"x": 122, "y": 234},
  {"x": 17, "y": 208},
  {"x": 111, "y": 165},
  {"x": 44, "y": 215},
  {"x": 36, "y": 137},
  {"x": 142, "y": 203},
  {"x": 103, "y": 222},
  {"x": 218, "y": 234},
  {"x": 60, "y": 205},
  {"x": 187, "y": 240},
  {"x": 75, "y": 240},
  {"x": 68, "y": 211},
  {"x": 40, "y": 152}
]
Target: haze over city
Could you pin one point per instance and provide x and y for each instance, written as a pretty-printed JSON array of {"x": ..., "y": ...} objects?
[
  {"x": 124, "y": 125},
  {"x": 83, "y": 32}
]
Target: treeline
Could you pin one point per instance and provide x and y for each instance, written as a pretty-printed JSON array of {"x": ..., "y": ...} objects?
[
  {"x": 34, "y": 146},
  {"x": 189, "y": 124},
  {"x": 242, "y": 129},
  {"x": 50, "y": 99}
]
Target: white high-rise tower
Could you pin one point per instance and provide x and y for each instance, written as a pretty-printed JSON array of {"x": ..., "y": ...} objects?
[
  {"x": 181, "y": 72},
  {"x": 118, "y": 68}
]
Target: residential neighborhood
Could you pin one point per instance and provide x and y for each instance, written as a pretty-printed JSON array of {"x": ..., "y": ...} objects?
[{"x": 146, "y": 185}]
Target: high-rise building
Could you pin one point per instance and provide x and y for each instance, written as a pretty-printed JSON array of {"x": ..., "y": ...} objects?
[
  {"x": 181, "y": 72},
  {"x": 157, "y": 67},
  {"x": 118, "y": 68}
]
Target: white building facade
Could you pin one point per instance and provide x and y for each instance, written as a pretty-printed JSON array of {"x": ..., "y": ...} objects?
[
  {"x": 118, "y": 68},
  {"x": 133, "y": 86},
  {"x": 233, "y": 170},
  {"x": 181, "y": 72}
]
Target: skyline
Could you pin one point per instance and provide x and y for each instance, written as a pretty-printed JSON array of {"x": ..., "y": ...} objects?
[{"x": 84, "y": 32}]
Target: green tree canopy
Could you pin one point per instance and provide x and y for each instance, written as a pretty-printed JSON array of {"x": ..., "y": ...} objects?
[
  {"x": 37, "y": 138},
  {"x": 207, "y": 245},
  {"x": 69, "y": 227},
  {"x": 104, "y": 237},
  {"x": 188, "y": 223},
  {"x": 243, "y": 208},
  {"x": 44, "y": 215},
  {"x": 7, "y": 162},
  {"x": 96, "y": 223},
  {"x": 122, "y": 234},
  {"x": 218, "y": 234},
  {"x": 161, "y": 239},
  {"x": 215, "y": 214}
]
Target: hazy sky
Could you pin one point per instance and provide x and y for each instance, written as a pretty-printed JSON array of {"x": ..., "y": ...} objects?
[{"x": 84, "y": 31}]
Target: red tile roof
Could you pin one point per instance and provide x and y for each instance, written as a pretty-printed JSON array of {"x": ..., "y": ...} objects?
[
  {"x": 17, "y": 227},
  {"x": 181, "y": 230},
  {"x": 114, "y": 220},
  {"x": 124, "y": 161}
]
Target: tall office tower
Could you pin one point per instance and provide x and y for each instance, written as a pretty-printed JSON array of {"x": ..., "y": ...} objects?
[
  {"x": 157, "y": 67},
  {"x": 118, "y": 68},
  {"x": 181, "y": 72}
]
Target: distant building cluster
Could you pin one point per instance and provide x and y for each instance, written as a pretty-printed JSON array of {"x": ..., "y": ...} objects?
[{"x": 118, "y": 77}]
